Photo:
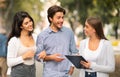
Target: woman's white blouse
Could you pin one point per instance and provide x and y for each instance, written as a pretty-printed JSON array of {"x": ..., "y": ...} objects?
[
  {"x": 105, "y": 62},
  {"x": 14, "y": 53}
]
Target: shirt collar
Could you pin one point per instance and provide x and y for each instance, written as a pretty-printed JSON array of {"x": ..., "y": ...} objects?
[{"x": 50, "y": 30}]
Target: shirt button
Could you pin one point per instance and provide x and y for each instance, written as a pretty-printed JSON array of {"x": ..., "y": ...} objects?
[{"x": 88, "y": 73}]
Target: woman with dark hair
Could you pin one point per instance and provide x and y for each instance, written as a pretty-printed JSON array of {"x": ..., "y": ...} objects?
[
  {"x": 21, "y": 46},
  {"x": 97, "y": 50}
]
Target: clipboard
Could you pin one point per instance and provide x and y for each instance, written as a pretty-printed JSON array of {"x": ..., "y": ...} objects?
[{"x": 75, "y": 60}]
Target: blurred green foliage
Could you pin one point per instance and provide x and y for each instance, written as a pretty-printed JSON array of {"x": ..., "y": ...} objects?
[
  {"x": 33, "y": 7},
  {"x": 107, "y": 10}
]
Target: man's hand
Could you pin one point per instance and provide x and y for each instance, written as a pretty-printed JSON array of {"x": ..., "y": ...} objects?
[
  {"x": 71, "y": 70},
  {"x": 55, "y": 57},
  {"x": 41, "y": 55}
]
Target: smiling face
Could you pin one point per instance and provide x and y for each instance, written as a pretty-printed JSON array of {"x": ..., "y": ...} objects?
[
  {"x": 57, "y": 20},
  {"x": 88, "y": 29},
  {"x": 27, "y": 25}
]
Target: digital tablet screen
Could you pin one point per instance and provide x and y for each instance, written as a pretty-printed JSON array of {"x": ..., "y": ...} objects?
[{"x": 76, "y": 60}]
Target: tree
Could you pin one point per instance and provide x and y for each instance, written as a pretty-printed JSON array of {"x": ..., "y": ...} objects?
[
  {"x": 116, "y": 5},
  {"x": 77, "y": 11},
  {"x": 4, "y": 11},
  {"x": 84, "y": 8},
  {"x": 12, "y": 6},
  {"x": 109, "y": 12}
]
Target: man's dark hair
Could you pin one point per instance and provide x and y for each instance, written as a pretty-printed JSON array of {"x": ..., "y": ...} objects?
[{"x": 53, "y": 9}]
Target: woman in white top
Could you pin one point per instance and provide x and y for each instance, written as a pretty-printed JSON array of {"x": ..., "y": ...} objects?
[
  {"x": 21, "y": 46},
  {"x": 97, "y": 50}
]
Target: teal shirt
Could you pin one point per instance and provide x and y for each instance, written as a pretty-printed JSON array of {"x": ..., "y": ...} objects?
[{"x": 3, "y": 45}]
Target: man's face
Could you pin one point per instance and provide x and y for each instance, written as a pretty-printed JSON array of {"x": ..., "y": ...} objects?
[{"x": 57, "y": 20}]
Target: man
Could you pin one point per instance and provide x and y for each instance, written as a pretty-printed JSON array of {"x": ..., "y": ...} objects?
[{"x": 57, "y": 41}]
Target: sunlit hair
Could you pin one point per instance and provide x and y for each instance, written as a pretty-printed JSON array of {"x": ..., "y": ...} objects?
[
  {"x": 96, "y": 23},
  {"x": 17, "y": 23},
  {"x": 52, "y": 10}
]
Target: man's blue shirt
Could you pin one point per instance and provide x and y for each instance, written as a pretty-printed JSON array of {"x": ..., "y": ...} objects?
[{"x": 61, "y": 42}]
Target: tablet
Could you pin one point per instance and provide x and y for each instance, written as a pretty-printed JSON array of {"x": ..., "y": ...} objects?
[{"x": 75, "y": 60}]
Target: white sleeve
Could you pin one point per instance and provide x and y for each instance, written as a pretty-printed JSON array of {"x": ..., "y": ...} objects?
[
  {"x": 109, "y": 66},
  {"x": 12, "y": 50}
]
